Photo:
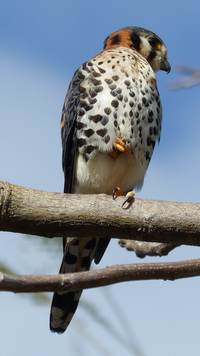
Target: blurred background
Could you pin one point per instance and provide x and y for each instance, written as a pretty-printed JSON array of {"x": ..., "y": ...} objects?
[{"x": 42, "y": 44}]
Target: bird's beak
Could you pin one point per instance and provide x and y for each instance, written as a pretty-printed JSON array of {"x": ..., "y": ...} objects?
[{"x": 165, "y": 66}]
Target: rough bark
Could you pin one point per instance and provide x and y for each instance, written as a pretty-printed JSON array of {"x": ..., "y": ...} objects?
[{"x": 47, "y": 214}]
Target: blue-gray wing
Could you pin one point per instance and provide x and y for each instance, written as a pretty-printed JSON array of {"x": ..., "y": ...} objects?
[{"x": 68, "y": 130}]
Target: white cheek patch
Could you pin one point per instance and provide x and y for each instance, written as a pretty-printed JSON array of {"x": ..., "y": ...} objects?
[{"x": 145, "y": 47}]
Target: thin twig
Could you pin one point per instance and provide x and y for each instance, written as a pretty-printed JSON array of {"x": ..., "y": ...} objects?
[{"x": 100, "y": 277}]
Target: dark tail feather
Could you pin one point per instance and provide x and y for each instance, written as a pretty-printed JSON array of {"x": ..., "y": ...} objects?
[
  {"x": 100, "y": 249},
  {"x": 77, "y": 257}
]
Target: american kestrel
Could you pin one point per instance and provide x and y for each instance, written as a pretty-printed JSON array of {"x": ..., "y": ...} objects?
[{"x": 111, "y": 120}]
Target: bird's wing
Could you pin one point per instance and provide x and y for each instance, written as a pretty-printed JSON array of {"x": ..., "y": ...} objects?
[{"x": 68, "y": 130}]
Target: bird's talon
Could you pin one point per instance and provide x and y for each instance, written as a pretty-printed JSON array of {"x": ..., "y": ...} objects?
[
  {"x": 120, "y": 145},
  {"x": 130, "y": 198},
  {"x": 116, "y": 193}
]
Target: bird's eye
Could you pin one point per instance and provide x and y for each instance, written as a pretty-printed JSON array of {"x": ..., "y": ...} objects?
[{"x": 155, "y": 43}]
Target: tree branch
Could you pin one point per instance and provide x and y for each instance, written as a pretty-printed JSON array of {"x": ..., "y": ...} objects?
[
  {"x": 36, "y": 212},
  {"x": 143, "y": 249},
  {"x": 100, "y": 277}
]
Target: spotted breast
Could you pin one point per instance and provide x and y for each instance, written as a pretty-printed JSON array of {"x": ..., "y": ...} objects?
[{"x": 118, "y": 100}]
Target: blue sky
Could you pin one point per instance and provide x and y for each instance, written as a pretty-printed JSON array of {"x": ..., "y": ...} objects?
[{"x": 42, "y": 43}]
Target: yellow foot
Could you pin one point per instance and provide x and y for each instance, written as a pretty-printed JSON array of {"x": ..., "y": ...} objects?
[
  {"x": 130, "y": 198},
  {"x": 120, "y": 145},
  {"x": 117, "y": 192}
]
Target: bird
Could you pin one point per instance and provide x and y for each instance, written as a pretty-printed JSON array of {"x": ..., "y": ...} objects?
[{"x": 110, "y": 123}]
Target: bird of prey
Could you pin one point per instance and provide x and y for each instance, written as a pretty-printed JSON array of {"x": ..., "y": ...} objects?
[{"x": 111, "y": 121}]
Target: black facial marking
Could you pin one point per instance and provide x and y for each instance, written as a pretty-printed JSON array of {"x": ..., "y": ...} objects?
[
  {"x": 135, "y": 40},
  {"x": 152, "y": 55},
  {"x": 115, "y": 40}
]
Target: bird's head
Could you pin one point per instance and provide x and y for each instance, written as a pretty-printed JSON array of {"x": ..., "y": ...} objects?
[{"x": 147, "y": 43}]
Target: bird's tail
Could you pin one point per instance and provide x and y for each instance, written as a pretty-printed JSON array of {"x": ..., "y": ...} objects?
[{"x": 78, "y": 256}]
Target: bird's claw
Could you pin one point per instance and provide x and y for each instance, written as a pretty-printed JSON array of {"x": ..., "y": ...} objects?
[
  {"x": 117, "y": 193},
  {"x": 130, "y": 198},
  {"x": 120, "y": 145}
]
